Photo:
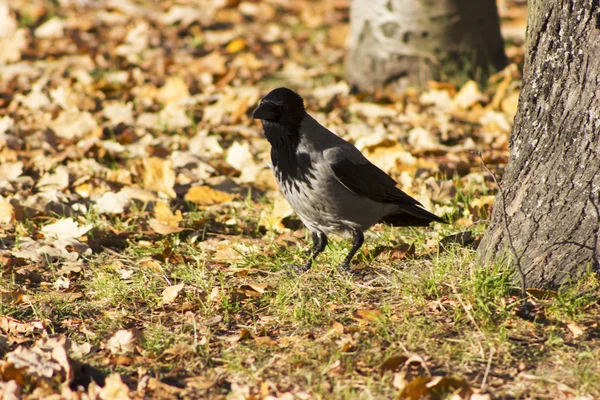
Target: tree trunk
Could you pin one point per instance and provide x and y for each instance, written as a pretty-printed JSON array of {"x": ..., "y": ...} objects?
[
  {"x": 406, "y": 43},
  {"x": 552, "y": 183}
]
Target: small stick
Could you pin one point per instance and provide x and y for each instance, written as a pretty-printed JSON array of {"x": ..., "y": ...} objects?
[{"x": 525, "y": 311}]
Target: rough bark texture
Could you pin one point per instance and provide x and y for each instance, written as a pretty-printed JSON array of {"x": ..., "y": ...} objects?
[
  {"x": 552, "y": 182},
  {"x": 408, "y": 42}
]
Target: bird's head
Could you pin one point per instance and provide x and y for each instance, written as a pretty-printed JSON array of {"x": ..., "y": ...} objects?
[{"x": 281, "y": 108}]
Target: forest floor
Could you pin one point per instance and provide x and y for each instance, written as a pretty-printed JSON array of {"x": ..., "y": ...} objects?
[{"x": 144, "y": 243}]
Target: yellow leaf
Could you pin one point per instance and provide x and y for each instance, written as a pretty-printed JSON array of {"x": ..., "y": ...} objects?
[
  {"x": 114, "y": 388},
  {"x": 158, "y": 175},
  {"x": 366, "y": 315},
  {"x": 575, "y": 329},
  {"x": 204, "y": 196},
  {"x": 163, "y": 213},
  {"x": 163, "y": 228},
  {"x": 236, "y": 45},
  {"x": 170, "y": 294},
  {"x": 174, "y": 89},
  {"x": 7, "y": 211},
  {"x": 254, "y": 289}
]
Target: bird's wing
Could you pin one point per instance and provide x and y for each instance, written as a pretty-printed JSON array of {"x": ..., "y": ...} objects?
[{"x": 359, "y": 176}]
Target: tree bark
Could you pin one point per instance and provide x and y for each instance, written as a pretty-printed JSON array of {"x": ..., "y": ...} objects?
[
  {"x": 552, "y": 183},
  {"x": 406, "y": 43}
]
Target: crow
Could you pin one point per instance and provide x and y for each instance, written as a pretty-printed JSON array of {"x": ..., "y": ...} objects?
[{"x": 327, "y": 181}]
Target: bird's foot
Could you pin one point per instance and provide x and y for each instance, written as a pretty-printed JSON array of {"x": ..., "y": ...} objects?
[
  {"x": 346, "y": 268},
  {"x": 298, "y": 269}
]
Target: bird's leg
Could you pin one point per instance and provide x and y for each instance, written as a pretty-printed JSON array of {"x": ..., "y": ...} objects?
[
  {"x": 357, "y": 240},
  {"x": 319, "y": 244}
]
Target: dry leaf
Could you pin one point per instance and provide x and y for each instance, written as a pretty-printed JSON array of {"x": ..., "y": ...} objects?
[
  {"x": 10, "y": 171},
  {"x": 468, "y": 95},
  {"x": 205, "y": 196},
  {"x": 158, "y": 175},
  {"x": 162, "y": 228},
  {"x": 66, "y": 229},
  {"x": 163, "y": 213},
  {"x": 254, "y": 289},
  {"x": 123, "y": 341},
  {"x": 114, "y": 388},
  {"x": 51, "y": 29},
  {"x": 236, "y": 45},
  {"x": 175, "y": 89},
  {"x": 113, "y": 203},
  {"x": 73, "y": 124},
  {"x": 575, "y": 329},
  {"x": 7, "y": 212},
  {"x": 366, "y": 316},
  {"x": 170, "y": 293},
  {"x": 273, "y": 219}
]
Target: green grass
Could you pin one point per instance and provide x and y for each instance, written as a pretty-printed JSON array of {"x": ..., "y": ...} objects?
[{"x": 324, "y": 332}]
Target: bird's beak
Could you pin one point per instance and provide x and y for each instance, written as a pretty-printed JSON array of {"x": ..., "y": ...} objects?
[{"x": 266, "y": 112}]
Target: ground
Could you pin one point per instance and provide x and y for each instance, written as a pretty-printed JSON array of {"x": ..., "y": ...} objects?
[{"x": 145, "y": 246}]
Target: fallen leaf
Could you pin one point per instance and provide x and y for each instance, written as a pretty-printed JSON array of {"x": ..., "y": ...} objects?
[
  {"x": 123, "y": 341},
  {"x": 468, "y": 95},
  {"x": 158, "y": 175},
  {"x": 10, "y": 171},
  {"x": 205, "y": 196},
  {"x": 542, "y": 294},
  {"x": 236, "y": 45},
  {"x": 163, "y": 213},
  {"x": 170, "y": 293},
  {"x": 73, "y": 124},
  {"x": 7, "y": 212},
  {"x": 575, "y": 329},
  {"x": 175, "y": 89},
  {"x": 162, "y": 228},
  {"x": 113, "y": 203},
  {"x": 366, "y": 316},
  {"x": 66, "y": 229},
  {"x": 114, "y": 388}
]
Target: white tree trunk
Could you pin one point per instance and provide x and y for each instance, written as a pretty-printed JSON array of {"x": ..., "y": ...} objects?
[{"x": 408, "y": 42}]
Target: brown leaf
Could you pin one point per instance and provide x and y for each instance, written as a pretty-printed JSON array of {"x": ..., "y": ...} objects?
[
  {"x": 575, "y": 329},
  {"x": 123, "y": 341},
  {"x": 170, "y": 293},
  {"x": 163, "y": 228},
  {"x": 255, "y": 289},
  {"x": 542, "y": 294},
  {"x": 163, "y": 213},
  {"x": 366, "y": 316},
  {"x": 114, "y": 388},
  {"x": 436, "y": 387},
  {"x": 393, "y": 363},
  {"x": 158, "y": 175},
  {"x": 7, "y": 212},
  {"x": 205, "y": 196},
  {"x": 265, "y": 341},
  {"x": 175, "y": 89},
  {"x": 236, "y": 45}
]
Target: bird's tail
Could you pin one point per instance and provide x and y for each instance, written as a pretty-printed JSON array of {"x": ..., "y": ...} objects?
[{"x": 412, "y": 216}]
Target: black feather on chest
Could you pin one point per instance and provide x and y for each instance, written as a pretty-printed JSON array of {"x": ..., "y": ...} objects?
[
  {"x": 291, "y": 166},
  {"x": 293, "y": 169}
]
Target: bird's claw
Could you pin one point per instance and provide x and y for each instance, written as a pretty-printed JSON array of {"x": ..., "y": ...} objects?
[{"x": 298, "y": 269}]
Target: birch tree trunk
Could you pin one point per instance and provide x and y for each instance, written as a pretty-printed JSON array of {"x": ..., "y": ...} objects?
[
  {"x": 552, "y": 182},
  {"x": 405, "y": 43}
]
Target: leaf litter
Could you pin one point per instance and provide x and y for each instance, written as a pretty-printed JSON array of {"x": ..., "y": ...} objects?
[{"x": 140, "y": 225}]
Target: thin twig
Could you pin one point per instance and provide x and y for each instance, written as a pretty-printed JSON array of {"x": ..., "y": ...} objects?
[
  {"x": 487, "y": 369},
  {"x": 525, "y": 311},
  {"x": 508, "y": 234}
]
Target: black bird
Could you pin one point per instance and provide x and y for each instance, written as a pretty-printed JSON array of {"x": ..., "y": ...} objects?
[{"x": 327, "y": 181}]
